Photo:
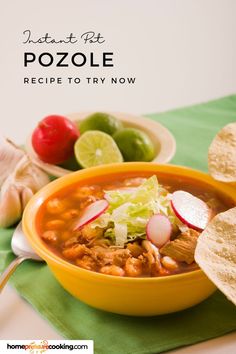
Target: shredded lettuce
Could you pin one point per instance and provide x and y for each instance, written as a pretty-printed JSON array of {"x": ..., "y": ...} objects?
[{"x": 129, "y": 211}]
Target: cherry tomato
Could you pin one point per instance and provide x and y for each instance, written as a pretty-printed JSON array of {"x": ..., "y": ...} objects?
[{"x": 53, "y": 139}]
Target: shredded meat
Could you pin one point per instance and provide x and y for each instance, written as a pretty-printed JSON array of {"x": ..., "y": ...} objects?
[
  {"x": 107, "y": 256},
  {"x": 86, "y": 262},
  {"x": 76, "y": 251},
  {"x": 183, "y": 247},
  {"x": 89, "y": 232},
  {"x": 135, "y": 249},
  {"x": 71, "y": 242},
  {"x": 135, "y": 260},
  {"x": 151, "y": 258}
]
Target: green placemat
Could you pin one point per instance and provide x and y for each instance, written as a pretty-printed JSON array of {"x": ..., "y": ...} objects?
[{"x": 193, "y": 128}]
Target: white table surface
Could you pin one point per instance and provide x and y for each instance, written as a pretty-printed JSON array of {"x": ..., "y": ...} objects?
[
  {"x": 182, "y": 52},
  {"x": 19, "y": 321}
]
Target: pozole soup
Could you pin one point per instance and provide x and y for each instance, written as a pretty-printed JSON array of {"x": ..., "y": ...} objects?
[{"x": 134, "y": 226}]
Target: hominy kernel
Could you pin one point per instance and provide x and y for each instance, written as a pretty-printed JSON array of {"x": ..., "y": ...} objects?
[
  {"x": 86, "y": 202},
  {"x": 133, "y": 267},
  {"x": 55, "y": 206},
  {"x": 169, "y": 263},
  {"x": 112, "y": 270},
  {"x": 54, "y": 224},
  {"x": 83, "y": 192},
  {"x": 70, "y": 214},
  {"x": 50, "y": 236}
]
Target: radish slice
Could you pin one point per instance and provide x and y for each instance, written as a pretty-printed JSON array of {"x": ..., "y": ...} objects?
[
  {"x": 158, "y": 230},
  {"x": 92, "y": 212},
  {"x": 191, "y": 210}
]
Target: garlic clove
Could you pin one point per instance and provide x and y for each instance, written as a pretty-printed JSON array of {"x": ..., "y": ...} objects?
[
  {"x": 10, "y": 206},
  {"x": 25, "y": 196},
  {"x": 26, "y": 174},
  {"x": 10, "y": 155}
]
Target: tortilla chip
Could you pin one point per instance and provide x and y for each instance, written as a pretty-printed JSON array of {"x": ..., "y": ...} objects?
[
  {"x": 216, "y": 252},
  {"x": 222, "y": 155}
]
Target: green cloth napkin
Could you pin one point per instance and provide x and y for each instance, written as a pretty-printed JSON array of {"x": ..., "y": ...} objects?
[{"x": 193, "y": 127}]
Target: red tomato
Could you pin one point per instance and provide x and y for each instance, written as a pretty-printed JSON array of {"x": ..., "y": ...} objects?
[{"x": 53, "y": 139}]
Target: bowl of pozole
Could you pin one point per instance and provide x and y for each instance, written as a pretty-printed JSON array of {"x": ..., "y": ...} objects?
[{"x": 122, "y": 237}]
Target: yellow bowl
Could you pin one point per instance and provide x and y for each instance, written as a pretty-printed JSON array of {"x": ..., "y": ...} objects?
[{"x": 124, "y": 295}]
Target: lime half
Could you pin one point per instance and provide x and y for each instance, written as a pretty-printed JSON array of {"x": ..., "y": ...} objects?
[{"x": 95, "y": 148}]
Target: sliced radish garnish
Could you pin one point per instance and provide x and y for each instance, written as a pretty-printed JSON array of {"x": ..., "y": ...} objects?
[
  {"x": 92, "y": 212},
  {"x": 158, "y": 230},
  {"x": 191, "y": 210}
]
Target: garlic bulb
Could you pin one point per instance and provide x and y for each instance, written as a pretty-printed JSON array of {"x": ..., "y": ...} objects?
[
  {"x": 20, "y": 179},
  {"x": 9, "y": 156}
]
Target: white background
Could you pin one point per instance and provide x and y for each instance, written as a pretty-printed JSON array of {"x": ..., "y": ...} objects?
[{"x": 180, "y": 51}]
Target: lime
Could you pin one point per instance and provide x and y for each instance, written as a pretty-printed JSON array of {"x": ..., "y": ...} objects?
[
  {"x": 96, "y": 148},
  {"x": 134, "y": 144},
  {"x": 101, "y": 121}
]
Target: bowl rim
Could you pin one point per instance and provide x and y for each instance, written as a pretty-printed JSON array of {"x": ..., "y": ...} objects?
[{"x": 31, "y": 210}]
